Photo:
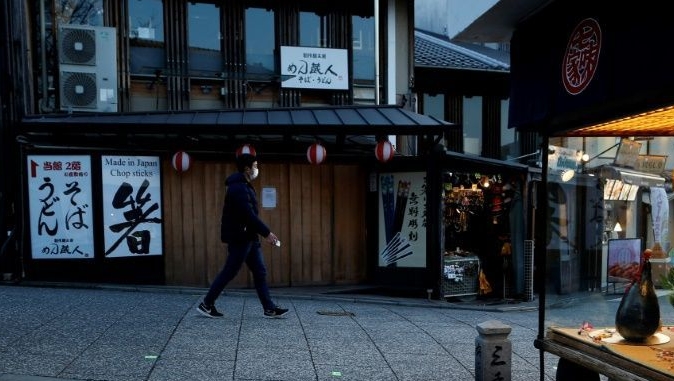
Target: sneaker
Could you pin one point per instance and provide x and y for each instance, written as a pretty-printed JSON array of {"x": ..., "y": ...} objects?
[
  {"x": 208, "y": 311},
  {"x": 276, "y": 312}
]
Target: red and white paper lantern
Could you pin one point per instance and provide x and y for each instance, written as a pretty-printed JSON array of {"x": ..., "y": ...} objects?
[
  {"x": 316, "y": 153},
  {"x": 384, "y": 151},
  {"x": 181, "y": 161},
  {"x": 246, "y": 148}
]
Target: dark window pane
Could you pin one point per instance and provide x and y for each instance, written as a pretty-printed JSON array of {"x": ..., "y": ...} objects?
[
  {"x": 363, "y": 48},
  {"x": 311, "y": 32},
  {"x": 260, "y": 43},
  {"x": 146, "y": 36},
  {"x": 204, "y": 39},
  {"x": 146, "y": 20}
]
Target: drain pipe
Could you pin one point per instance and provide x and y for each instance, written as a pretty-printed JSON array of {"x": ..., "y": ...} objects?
[
  {"x": 44, "y": 104},
  {"x": 376, "y": 52},
  {"x": 6, "y": 276}
]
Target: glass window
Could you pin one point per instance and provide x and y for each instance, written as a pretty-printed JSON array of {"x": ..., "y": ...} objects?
[
  {"x": 260, "y": 43},
  {"x": 363, "y": 48},
  {"x": 472, "y": 125},
  {"x": 434, "y": 105},
  {"x": 204, "y": 39},
  {"x": 81, "y": 12},
  {"x": 599, "y": 223},
  {"x": 509, "y": 146},
  {"x": 146, "y": 36},
  {"x": 312, "y": 30}
]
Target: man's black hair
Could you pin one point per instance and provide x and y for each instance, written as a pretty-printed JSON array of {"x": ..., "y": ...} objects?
[{"x": 245, "y": 160}]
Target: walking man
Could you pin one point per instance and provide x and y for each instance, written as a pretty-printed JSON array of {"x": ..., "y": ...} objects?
[{"x": 240, "y": 228}]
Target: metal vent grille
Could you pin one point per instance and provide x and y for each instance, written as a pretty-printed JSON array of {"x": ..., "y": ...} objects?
[
  {"x": 79, "y": 89},
  {"x": 77, "y": 46}
]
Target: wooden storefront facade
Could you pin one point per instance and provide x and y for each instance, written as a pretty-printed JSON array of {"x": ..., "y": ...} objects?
[{"x": 319, "y": 218}]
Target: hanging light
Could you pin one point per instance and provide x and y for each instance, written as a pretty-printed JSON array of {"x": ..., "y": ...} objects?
[
  {"x": 567, "y": 175},
  {"x": 181, "y": 161},
  {"x": 316, "y": 153},
  {"x": 617, "y": 227},
  {"x": 484, "y": 181},
  {"x": 246, "y": 148},
  {"x": 384, "y": 151}
]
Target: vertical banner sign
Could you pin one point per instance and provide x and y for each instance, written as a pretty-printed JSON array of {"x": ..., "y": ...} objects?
[
  {"x": 402, "y": 219},
  {"x": 132, "y": 205},
  {"x": 60, "y": 205}
]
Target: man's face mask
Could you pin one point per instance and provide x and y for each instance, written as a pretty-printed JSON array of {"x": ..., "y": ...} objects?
[{"x": 254, "y": 172}]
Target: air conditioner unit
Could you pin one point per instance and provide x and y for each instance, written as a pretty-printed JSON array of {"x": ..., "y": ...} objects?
[{"x": 87, "y": 68}]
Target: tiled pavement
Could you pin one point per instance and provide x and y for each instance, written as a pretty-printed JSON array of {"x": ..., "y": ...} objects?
[{"x": 142, "y": 333}]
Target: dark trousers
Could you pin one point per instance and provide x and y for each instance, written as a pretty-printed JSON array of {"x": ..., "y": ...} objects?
[{"x": 251, "y": 254}]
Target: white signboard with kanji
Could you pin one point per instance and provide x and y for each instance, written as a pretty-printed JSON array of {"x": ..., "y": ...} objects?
[
  {"x": 314, "y": 68},
  {"x": 132, "y": 214},
  {"x": 59, "y": 197}
]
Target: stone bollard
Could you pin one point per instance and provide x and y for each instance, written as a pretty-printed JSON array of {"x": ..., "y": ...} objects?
[{"x": 493, "y": 352}]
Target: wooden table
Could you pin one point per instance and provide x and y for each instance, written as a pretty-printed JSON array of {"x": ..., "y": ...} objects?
[{"x": 618, "y": 361}]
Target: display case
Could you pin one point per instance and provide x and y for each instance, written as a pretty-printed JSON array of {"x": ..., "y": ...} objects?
[
  {"x": 460, "y": 275},
  {"x": 594, "y": 260}
]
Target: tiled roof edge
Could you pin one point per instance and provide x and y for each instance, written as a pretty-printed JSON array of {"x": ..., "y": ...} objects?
[{"x": 471, "y": 53}]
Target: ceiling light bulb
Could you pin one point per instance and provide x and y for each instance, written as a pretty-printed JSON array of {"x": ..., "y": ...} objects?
[
  {"x": 567, "y": 175},
  {"x": 617, "y": 227}
]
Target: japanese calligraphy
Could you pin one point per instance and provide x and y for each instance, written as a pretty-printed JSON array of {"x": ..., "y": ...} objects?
[
  {"x": 314, "y": 68},
  {"x": 402, "y": 219},
  {"x": 60, "y": 206},
  {"x": 132, "y": 206}
]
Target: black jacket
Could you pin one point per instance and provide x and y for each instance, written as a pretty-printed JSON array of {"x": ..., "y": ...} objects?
[{"x": 240, "y": 221}]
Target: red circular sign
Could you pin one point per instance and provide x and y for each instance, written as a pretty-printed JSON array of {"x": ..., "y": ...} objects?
[{"x": 582, "y": 56}]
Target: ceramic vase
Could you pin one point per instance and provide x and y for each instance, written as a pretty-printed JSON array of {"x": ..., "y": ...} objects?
[{"x": 638, "y": 316}]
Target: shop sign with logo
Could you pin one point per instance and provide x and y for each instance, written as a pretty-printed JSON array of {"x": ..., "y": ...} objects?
[
  {"x": 562, "y": 159},
  {"x": 582, "y": 56},
  {"x": 651, "y": 163},
  {"x": 132, "y": 213},
  {"x": 60, "y": 202},
  {"x": 314, "y": 68}
]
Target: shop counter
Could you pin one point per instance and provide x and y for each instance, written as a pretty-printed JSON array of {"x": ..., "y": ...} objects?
[{"x": 605, "y": 352}]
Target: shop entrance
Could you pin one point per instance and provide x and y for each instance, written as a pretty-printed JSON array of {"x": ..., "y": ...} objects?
[{"x": 477, "y": 234}]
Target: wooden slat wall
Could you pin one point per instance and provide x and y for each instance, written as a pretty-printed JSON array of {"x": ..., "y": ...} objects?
[
  {"x": 491, "y": 127},
  {"x": 454, "y": 114},
  {"x": 319, "y": 218},
  {"x": 350, "y": 258}
]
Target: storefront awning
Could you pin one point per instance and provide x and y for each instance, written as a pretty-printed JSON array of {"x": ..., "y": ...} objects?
[
  {"x": 581, "y": 80},
  {"x": 214, "y": 129},
  {"x": 387, "y": 119}
]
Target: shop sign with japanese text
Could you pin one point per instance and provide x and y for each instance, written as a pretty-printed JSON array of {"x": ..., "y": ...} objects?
[
  {"x": 402, "y": 219},
  {"x": 60, "y": 204},
  {"x": 132, "y": 214},
  {"x": 314, "y": 68}
]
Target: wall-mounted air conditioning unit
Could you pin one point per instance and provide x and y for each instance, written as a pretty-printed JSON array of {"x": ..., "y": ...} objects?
[{"x": 87, "y": 68}]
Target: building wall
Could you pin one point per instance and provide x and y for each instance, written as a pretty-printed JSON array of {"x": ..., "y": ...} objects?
[
  {"x": 321, "y": 214},
  {"x": 320, "y": 223}
]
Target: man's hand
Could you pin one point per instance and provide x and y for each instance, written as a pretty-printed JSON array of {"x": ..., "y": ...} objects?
[{"x": 272, "y": 238}]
